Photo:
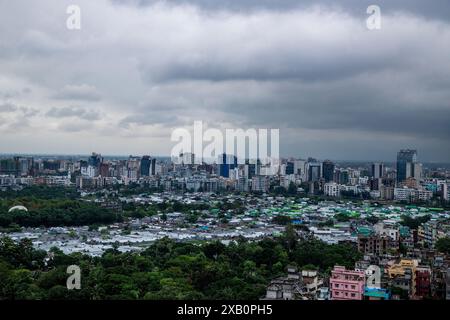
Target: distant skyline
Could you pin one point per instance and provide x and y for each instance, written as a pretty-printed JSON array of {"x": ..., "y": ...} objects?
[
  {"x": 125, "y": 156},
  {"x": 138, "y": 69}
]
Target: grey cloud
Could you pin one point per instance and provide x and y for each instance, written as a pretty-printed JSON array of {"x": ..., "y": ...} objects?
[
  {"x": 7, "y": 107},
  {"x": 74, "y": 126},
  {"x": 78, "y": 92},
  {"x": 310, "y": 68},
  {"x": 15, "y": 109},
  {"x": 66, "y": 112},
  {"x": 29, "y": 112},
  {"x": 149, "y": 118},
  {"x": 439, "y": 9},
  {"x": 282, "y": 46}
]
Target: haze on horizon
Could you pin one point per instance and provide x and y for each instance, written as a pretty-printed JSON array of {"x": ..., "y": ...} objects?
[{"x": 137, "y": 69}]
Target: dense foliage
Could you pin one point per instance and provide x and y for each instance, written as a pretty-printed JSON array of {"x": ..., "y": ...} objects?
[
  {"x": 414, "y": 223},
  {"x": 52, "y": 213},
  {"x": 443, "y": 245},
  {"x": 164, "y": 270},
  {"x": 42, "y": 192}
]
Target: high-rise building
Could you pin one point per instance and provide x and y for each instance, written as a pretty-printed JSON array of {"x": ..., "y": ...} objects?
[
  {"x": 299, "y": 167},
  {"x": 407, "y": 165},
  {"x": 24, "y": 166},
  {"x": 148, "y": 166},
  {"x": 8, "y": 166},
  {"x": 341, "y": 176},
  {"x": 314, "y": 171},
  {"x": 377, "y": 170},
  {"x": 104, "y": 170},
  {"x": 52, "y": 165},
  {"x": 251, "y": 169},
  {"x": 226, "y": 163},
  {"x": 328, "y": 170},
  {"x": 153, "y": 167},
  {"x": 145, "y": 166},
  {"x": 374, "y": 183},
  {"x": 95, "y": 159},
  {"x": 289, "y": 168}
]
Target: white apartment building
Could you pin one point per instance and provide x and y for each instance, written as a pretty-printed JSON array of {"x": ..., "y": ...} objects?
[{"x": 331, "y": 189}]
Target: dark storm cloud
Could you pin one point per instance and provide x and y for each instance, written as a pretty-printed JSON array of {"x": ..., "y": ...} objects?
[
  {"x": 311, "y": 68},
  {"x": 436, "y": 9}
]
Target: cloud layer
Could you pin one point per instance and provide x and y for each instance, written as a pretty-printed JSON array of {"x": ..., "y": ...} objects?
[{"x": 137, "y": 69}]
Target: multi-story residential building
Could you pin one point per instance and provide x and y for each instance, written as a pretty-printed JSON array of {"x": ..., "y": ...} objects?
[
  {"x": 423, "y": 282},
  {"x": 386, "y": 192},
  {"x": 347, "y": 284},
  {"x": 331, "y": 189},
  {"x": 285, "y": 288},
  {"x": 406, "y": 237},
  {"x": 445, "y": 191},
  {"x": 412, "y": 195},
  {"x": 403, "y": 276},
  {"x": 374, "y": 244},
  {"x": 260, "y": 184},
  {"x": 311, "y": 282},
  {"x": 386, "y": 229},
  {"x": 429, "y": 232}
]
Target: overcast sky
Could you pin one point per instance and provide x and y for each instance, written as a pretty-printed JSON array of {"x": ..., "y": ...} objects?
[{"x": 137, "y": 69}]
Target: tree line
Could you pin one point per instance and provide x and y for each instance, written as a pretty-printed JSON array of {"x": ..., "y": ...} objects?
[{"x": 165, "y": 270}]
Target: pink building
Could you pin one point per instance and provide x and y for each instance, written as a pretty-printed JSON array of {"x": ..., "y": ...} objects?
[{"x": 347, "y": 284}]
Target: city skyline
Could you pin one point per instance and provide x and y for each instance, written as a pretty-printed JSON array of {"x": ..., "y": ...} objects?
[
  {"x": 215, "y": 158},
  {"x": 136, "y": 70},
  {"x": 124, "y": 156}
]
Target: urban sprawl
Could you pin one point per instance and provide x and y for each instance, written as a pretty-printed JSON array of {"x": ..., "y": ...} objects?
[{"x": 395, "y": 216}]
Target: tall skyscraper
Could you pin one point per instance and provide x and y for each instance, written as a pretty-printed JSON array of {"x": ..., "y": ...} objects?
[
  {"x": 251, "y": 169},
  {"x": 299, "y": 167},
  {"x": 314, "y": 171},
  {"x": 328, "y": 170},
  {"x": 407, "y": 165},
  {"x": 377, "y": 170},
  {"x": 289, "y": 167},
  {"x": 153, "y": 167},
  {"x": 95, "y": 159},
  {"x": 145, "y": 166},
  {"x": 226, "y": 163}
]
